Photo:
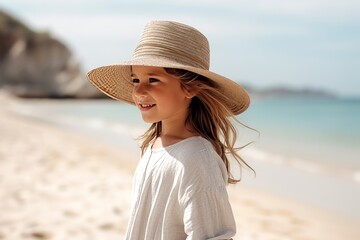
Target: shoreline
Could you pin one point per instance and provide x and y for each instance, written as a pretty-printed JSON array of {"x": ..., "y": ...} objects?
[
  {"x": 260, "y": 214},
  {"x": 324, "y": 190}
]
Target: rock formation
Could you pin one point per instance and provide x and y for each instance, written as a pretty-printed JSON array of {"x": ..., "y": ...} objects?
[{"x": 34, "y": 64}]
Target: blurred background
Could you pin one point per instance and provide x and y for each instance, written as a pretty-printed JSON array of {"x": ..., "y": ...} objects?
[
  {"x": 301, "y": 45},
  {"x": 299, "y": 60}
]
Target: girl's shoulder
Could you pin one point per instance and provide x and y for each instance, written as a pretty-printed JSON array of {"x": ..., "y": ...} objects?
[
  {"x": 192, "y": 145},
  {"x": 195, "y": 150},
  {"x": 192, "y": 152},
  {"x": 200, "y": 163}
]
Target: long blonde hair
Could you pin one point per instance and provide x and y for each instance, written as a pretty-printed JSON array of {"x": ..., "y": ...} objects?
[{"x": 208, "y": 116}]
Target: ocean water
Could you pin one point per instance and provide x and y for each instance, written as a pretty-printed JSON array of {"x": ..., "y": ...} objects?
[{"x": 318, "y": 132}]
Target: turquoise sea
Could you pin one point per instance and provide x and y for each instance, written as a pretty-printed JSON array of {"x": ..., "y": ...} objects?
[
  {"x": 308, "y": 149},
  {"x": 319, "y": 130}
]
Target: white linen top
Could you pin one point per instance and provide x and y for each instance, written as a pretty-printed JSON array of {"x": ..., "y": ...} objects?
[{"x": 180, "y": 193}]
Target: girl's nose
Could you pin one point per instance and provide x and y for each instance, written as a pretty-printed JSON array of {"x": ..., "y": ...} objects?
[{"x": 139, "y": 91}]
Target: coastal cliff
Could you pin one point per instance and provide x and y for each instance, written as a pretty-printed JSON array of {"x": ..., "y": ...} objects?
[{"x": 34, "y": 64}]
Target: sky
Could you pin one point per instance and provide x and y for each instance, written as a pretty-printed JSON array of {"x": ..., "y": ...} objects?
[{"x": 279, "y": 43}]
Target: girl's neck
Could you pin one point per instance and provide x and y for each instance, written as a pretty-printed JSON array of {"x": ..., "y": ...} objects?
[{"x": 171, "y": 134}]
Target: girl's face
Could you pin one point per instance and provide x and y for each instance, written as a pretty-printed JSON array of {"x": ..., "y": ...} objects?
[{"x": 159, "y": 95}]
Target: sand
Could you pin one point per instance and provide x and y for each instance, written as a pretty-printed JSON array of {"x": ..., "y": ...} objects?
[{"x": 59, "y": 184}]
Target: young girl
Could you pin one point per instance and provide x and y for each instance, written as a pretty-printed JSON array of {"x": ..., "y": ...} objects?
[{"x": 180, "y": 182}]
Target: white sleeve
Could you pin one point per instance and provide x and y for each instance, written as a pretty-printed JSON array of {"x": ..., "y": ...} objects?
[{"x": 208, "y": 215}]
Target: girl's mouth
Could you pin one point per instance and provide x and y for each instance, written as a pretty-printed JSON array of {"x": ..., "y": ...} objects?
[{"x": 145, "y": 107}]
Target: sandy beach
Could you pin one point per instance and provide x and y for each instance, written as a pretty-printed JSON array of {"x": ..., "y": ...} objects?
[{"x": 58, "y": 184}]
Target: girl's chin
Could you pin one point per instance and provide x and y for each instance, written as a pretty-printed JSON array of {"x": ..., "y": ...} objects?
[{"x": 149, "y": 120}]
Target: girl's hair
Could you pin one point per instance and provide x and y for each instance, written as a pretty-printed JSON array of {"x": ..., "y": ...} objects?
[{"x": 208, "y": 116}]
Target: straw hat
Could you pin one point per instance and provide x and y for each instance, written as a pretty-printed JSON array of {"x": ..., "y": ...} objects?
[{"x": 171, "y": 45}]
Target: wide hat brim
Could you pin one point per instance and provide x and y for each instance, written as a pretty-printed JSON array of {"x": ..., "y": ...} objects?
[{"x": 115, "y": 81}]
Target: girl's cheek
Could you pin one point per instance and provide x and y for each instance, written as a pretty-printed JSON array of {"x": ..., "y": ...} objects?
[{"x": 133, "y": 96}]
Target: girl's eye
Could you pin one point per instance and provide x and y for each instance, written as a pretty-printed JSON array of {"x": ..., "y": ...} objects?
[
  {"x": 151, "y": 80},
  {"x": 135, "y": 80}
]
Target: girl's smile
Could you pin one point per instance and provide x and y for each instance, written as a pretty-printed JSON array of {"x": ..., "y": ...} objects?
[{"x": 145, "y": 107}]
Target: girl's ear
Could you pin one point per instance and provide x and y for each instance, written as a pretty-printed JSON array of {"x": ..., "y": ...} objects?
[{"x": 189, "y": 93}]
